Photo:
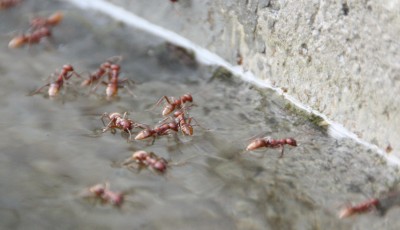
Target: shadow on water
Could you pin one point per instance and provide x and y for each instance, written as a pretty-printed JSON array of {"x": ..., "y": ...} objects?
[{"x": 51, "y": 150}]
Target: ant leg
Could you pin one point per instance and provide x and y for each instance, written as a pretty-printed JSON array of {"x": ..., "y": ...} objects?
[
  {"x": 282, "y": 147},
  {"x": 130, "y": 136},
  {"x": 38, "y": 90}
]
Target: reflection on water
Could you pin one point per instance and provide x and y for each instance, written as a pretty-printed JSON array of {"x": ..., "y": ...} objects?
[{"x": 51, "y": 150}]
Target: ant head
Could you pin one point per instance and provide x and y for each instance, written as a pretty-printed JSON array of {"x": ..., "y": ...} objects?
[
  {"x": 188, "y": 97},
  {"x": 291, "y": 141},
  {"x": 68, "y": 68}
]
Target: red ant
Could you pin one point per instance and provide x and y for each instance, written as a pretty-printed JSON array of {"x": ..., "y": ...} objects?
[
  {"x": 113, "y": 82},
  {"x": 31, "y": 38},
  {"x": 118, "y": 121},
  {"x": 148, "y": 159},
  {"x": 54, "y": 87},
  {"x": 271, "y": 143},
  {"x": 100, "y": 72},
  {"x": 51, "y": 21},
  {"x": 183, "y": 122},
  {"x": 360, "y": 208},
  {"x": 173, "y": 104},
  {"x": 5, "y": 4},
  {"x": 103, "y": 192},
  {"x": 163, "y": 129}
]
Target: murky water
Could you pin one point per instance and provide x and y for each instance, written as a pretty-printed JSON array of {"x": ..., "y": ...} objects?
[{"x": 51, "y": 150}]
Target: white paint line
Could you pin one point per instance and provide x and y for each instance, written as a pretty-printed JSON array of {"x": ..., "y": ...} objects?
[{"x": 206, "y": 57}]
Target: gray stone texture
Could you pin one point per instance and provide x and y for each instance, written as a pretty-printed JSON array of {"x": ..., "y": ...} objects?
[{"x": 342, "y": 58}]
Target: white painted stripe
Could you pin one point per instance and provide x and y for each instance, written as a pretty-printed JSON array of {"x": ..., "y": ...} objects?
[{"x": 206, "y": 57}]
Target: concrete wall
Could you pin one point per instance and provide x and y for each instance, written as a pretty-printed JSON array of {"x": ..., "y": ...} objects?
[{"x": 340, "y": 57}]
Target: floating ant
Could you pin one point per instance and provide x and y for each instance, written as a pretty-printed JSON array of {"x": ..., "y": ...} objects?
[
  {"x": 360, "y": 208},
  {"x": 271, "y": 143},
  {"x": 173, "y": 104},
  {"x": 163, "y": 129},
  {"x": 51, "y": 21},
  {"x": 30, "y": 38},
  {"x": 54, "y": 87},
  {"x": 118, "y": 121},
  {"x": 5, "y": 4},
  {"x": 102, "y": 192},
  {"x": 113, "y": 81},
  {"x": 149, "y": 160}
]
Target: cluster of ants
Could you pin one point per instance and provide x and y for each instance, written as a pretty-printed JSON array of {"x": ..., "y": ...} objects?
[
  {"x": 40, "y": 28},
  {"x": 94, "y": 80}
]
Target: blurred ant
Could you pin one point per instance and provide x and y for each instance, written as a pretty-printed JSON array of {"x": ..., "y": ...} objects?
[
  {"x": 54, "y": 87},
  {"x": 51, "y": 21},
  {"x": 30, "y": 38},
  {"x": 118, "y": 121},
  {"x": 102, "y": 192},
  {"x": 113, "y": 81},
  {"x": 268, "y": 142},
  {"x": 148, "y": 160},
  {"x": 173, "y": 104},
  {"x": 360, "y": 208},
  {"x": 5, "y": 4},
  {"x": 163, "y": 129}
]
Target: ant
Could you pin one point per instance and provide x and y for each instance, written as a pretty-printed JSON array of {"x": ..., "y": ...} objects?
[
  {"x": 360, "y": 208},
  {"x": 271, "y": 143},
  {"x": 102, "y": 192},
  {"x": 100, "y": 72},
  {"x": 30, "y": 38},
  {"x": 173, "y": 104},
  {"x": 149, "y": 160},
  {"x": 54, "y": 87},
  {"x": 118, "y": 121},
  {"x": 51, "y": 21},
  {"x": 163, "y": 129},
  {"x": 183, "y": 122},
  {"x": 5, "y": 4},
  {"x": 113, "y": 81}
]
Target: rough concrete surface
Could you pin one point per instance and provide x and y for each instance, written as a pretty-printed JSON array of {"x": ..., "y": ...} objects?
[{"x": 342, "y": 58}]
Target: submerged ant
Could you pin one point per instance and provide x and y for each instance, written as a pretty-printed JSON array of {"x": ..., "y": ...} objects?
[
  {"x": 102, "y": 192},
  {"x": 271, "y": 143},
  {"x": 149, "y": 160},
  {"x": 118, "y": 121},
  {"x": 54, "y": 87},
  {"x": 173, "y": 104}
]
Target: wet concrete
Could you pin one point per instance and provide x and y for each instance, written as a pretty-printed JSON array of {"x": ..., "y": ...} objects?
[{"x": 52, "y": 149}]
